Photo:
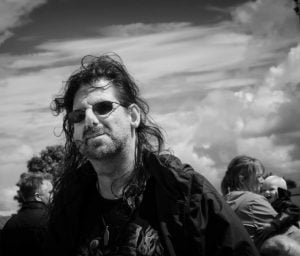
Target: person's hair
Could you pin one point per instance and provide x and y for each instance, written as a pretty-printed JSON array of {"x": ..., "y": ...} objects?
[
  {"x": 276, "y": 180},
  {"x": 149, "y": 135},
  {"x": 240, "y": 171},
  {"x": 111, "y": 68},
  {"x": 29, "y": 183}
]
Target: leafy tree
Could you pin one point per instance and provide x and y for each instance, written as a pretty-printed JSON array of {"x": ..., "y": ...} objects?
[
  {"x": 290, "y": 183},
  {"x": 50, "y": 160}
]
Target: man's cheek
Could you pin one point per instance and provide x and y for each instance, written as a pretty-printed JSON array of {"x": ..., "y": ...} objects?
[{"x": 78, "y": 131}]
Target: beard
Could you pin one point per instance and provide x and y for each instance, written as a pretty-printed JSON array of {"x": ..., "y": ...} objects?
[{"x": 102, "y": 147}]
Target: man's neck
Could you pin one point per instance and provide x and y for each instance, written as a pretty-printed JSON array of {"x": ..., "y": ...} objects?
[{"x": 113, "y": 174}]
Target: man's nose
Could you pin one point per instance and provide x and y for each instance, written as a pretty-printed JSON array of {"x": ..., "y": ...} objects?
[{"x": 90, "y": 118}]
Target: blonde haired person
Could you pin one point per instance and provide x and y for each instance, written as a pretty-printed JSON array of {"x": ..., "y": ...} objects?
[{"x": 272, "y": 186}]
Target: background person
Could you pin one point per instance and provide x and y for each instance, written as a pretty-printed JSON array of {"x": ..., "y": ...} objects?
[
  {"x": 241, "y": 187},
  {"x": 119, "y": 195},
  {"x": 25, "y": 232},
  {"x": 274, "y": 188}
]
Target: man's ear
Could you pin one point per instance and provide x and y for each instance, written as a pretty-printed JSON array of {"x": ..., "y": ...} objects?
[
  {"x": 135, "y": 115},
  {"x": 37, "y": 197}
]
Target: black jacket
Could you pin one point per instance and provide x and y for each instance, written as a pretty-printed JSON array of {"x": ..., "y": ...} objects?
[
  {"x": 192, "y": 216},
  {"x": 189, "y": 214},
  {"x": 24, "y": 232}
]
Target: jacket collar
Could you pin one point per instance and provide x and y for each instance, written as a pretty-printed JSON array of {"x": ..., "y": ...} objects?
[{"x": 33, "y": 205}]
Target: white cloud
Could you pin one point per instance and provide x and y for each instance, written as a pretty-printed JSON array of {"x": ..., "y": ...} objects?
[
  {"x": 7, "y": 204},
  {"x": 211, "y": 88},
  {"x": 267, "y": 18},
  {"x": 139, "y": 29},
  {"x": 276, "y": 101},
  {"x": 13, "y": 14},
  {"x": 19, "y": 151},
  {"x": 14, "y": 156},
  {"x": 286, "y": 73}
]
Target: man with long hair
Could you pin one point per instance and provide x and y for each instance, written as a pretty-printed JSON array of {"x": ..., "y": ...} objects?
[{"x": 119, "y": 195}]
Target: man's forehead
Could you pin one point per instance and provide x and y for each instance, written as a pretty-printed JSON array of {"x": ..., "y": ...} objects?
[{"x": 101, "y": 86}]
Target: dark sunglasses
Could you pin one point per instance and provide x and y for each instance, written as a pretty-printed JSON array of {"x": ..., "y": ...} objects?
[{"x": 100, "y": 108}]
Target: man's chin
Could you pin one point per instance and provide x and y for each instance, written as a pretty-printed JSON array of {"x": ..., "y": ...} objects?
[{"x": 98, "y": 151}]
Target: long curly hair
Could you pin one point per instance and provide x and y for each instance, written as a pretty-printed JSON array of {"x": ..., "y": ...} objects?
[{"x": 149, "y": 134}]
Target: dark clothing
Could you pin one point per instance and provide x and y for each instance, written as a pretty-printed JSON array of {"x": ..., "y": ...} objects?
[
  {"x": 289, "y": 213},
  {"x": 24, "y": 232},
  {"x": 120, "y": 231},
  {"x": 193, "y": 218},
  {"x": 190, "y": 216}
]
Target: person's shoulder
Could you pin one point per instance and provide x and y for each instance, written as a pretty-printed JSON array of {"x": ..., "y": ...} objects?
[
  {"x": 259, "y": 204},
  {"x": 244, "y": 198},
  {"x": 11, "y": 222},
  {"x": 183, "y": 169},
  {"x": 171, "y": 173},
  {"x": 175, "y": 164},
  {"x": 197, "y": 183},
  {"x": 249, "y": 197},
  {"x": 255, "y": 197},
  {"x": 29, "y": 217},
  {"x": 169, "y": 159}
]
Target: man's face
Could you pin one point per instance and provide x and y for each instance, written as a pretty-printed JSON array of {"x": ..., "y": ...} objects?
[
  {"x": 270, "y": 191},
  {"x": 45, "y": 191},
  {"x": 101, "y": 136}
]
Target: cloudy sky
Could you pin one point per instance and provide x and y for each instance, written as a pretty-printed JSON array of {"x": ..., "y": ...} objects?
[{"x": 221, "y": 76}]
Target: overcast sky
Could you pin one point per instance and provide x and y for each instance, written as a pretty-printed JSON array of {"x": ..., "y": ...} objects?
[{"x": 222, "y": 77}]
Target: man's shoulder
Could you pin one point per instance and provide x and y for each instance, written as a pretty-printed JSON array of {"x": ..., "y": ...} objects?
[
  {"x": 170, "y": 164},
  {"x": 28, "y": 217},
  {"x": 182, "y": 169},
  {"x": 11, "y": 222},
  {"x": 170, "y": 172}
]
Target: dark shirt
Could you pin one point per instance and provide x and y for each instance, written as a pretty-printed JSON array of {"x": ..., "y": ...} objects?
[
  {"x": 284, "y": 204},
  {"x": 24, "y": 232},
  {"x": 120, "y": 231},
  {"x": 288, "y": 213}
]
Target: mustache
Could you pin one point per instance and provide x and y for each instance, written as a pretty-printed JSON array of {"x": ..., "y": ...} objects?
[
  {"x": 88, "y": 133},
  {"x": 91, "y": 132}
]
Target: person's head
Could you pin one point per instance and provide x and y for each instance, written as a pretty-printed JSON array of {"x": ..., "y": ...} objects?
[
  {"x": 280, "y": 245},
  {"x": 104, "y": 116},
  {"x": 104, "y": 112},
  {"x": 243, "y": 173},
  {"x": 35, "y": 187},
  {"x": 271, "y": 185}
]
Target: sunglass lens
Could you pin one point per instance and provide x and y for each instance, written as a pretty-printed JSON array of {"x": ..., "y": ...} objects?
[{"x": 103, "y": 108}]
